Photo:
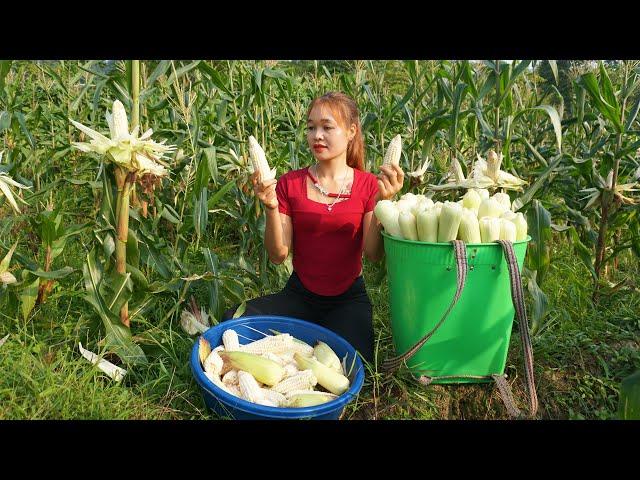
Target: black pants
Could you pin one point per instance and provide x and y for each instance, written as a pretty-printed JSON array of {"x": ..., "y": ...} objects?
[{"x": 349, "y": 314}]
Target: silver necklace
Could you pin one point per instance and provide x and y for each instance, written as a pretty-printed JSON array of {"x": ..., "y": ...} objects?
[{"x": 325, "y": 192}]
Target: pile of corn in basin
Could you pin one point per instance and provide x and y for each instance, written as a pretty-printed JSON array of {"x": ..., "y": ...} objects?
[
  {"x": 476, "y": 218},
  {"x": 275, "y": 371}
]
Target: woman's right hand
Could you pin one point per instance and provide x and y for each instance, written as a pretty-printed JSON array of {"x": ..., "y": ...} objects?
[{"x": 265, "y": 191}]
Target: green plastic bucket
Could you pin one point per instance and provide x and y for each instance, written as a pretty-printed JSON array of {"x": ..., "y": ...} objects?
[{"x": 474, "y": 338}]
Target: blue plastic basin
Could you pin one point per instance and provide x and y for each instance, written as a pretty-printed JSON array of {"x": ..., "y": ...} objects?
[{"x": 230, "y": 406}]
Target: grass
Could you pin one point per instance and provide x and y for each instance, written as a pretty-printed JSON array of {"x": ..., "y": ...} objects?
[{"x": 582, "y": 352}]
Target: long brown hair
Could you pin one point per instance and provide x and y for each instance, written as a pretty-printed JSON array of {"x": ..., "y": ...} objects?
[{"x": 345, "y": 109}]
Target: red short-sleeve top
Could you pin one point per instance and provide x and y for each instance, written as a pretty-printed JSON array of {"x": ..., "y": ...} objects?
[{"x": 327, "y": 245}]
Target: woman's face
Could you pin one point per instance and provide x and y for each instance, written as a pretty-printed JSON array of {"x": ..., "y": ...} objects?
[{"x": 326, "y": 137}]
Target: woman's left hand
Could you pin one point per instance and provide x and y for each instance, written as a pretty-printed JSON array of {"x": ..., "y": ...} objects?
[{"x": 390, "y": 180}]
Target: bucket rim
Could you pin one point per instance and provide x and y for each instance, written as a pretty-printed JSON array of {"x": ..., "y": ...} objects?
[
  {"x": 448, "y": 244},
  {"x": 240, "y": 404}
]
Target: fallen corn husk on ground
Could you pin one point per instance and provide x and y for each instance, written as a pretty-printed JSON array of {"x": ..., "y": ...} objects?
[
  {"x": 276, "y": 371},
  {"x": 107, "y": 367},
  {"x": 476, "y": 217}
]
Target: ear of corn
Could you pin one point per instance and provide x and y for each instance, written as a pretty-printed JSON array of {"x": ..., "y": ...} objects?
[
  {"x": 521, "y": 227},
  {"x": 490, "y": 207},
  {"x": 469, "y": 230},
  {"x": 325, "y": 355},
  {"x": 309, "y": 399},
  {"x": 503, "y": 199},
  {"x": 271, "y": 343},
  {"x": 301, "y": 347},
  {"x": 264, "y": 370},
  {"x": 278, "y": 399},
  {"x": 327, "y": 378},
  {"x": 388, "y": 214},
  {"x": 230, "y": 340},
  {"x": 507, "y": 230},
  {"x": 249, "y": 387},
  {"x": 394, "y": 151},
  {"x": 427, "y": 225},
  {"x": 449, "y": 222},
  {"x": 304, "y": 380},
  {"x": 259, "y": 161},
  {"x": 230, "y": 378},
  {"x": 472, "y": 200},
  {"x": 213, "y": 364},
  {"x": 408, "y": 226},
  {"x": 489, "y": 229}
]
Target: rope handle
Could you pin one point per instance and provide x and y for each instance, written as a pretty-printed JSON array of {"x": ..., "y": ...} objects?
[{"x": 521, "y": 314}]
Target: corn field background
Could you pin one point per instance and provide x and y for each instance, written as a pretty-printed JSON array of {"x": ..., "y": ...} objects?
[{"x": 570, "y": 128}]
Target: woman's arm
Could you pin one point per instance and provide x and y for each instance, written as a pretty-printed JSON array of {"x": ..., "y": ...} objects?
[{"x": 277, "y": 233}]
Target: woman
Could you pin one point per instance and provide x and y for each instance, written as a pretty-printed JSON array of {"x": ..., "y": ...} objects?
[{"x": 323, "y": 214}]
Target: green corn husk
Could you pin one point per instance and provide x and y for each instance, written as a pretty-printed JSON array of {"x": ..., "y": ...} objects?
[
  {"x": 264, "y": 370},
  {"x": 327, "y": 356},
  {"x": 472, "y": 200},
  {"x": 449, "y": 221},
  {"x": 327, "y": 377},
  {"x": 489, "y": 229},
  {"x": 427, "y": 224},
  {"x": 503, "y": 199},
  {"x": 408, "y": 226},
  {"x": 387, "y": 212},
  {"x": 469, "y": 230},
  {"x": 507, "y": 230},
  {"x": 490, "y": 208},
  {"x": 521, "y": 226},
  {"x": 309, "y": 399}
]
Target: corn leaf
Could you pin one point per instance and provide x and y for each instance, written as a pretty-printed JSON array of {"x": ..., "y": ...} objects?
[
  {"x": 539, "y": 251},
  {"x": 582, "y": 251},
  {"x": 28, "y": 296},
  {"x": 540, "y": 301},
  {"x": 118, "y": 337},
  {"x": 215, "y": 307},
  {"x": 629, "y": 402}
]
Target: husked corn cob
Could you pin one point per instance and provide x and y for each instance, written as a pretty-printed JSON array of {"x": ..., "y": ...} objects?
[
  {"x": 259, "y": 161},
  {"x": 249, "y": 387},
  {"x": 264, "y": 370},
  {"x": 270, "y": 343},
  {"x": 290, "y": 369},
  {"x": 215, "y": 379},
  {"x": 394, "y": 151},
  {"x": 274, "y": 397},
  {"x": 287, "y": 357},
  {"x": 301, "y": 347},
  {"x": 300, "y": 381},
  {"x": 213, "y": 364},
  {"x": 230, "y": 378},
  {"x": 230, "y": 340},
  {"x": 326, "y": 377},
  {"x": 325, "y": 355},
  {"x": 234, "y": 390},
  {"x": 276, "y": 358}
]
